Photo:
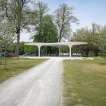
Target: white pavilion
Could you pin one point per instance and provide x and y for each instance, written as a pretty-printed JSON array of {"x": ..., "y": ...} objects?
[{"x": 58, "y": 44}]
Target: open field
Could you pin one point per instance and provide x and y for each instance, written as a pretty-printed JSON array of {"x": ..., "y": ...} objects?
[
  {"x": 84, "y": 83},
  {"x": 16, "y": 66}
]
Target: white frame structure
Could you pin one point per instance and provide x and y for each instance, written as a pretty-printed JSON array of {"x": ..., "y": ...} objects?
[{"x": 69, "y": 44}]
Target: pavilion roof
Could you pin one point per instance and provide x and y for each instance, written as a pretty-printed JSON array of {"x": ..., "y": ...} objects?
[{"x": 57, "y": 44}]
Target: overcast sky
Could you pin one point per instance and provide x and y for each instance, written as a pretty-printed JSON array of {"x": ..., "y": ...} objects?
[{"x": 87, "y": 11}]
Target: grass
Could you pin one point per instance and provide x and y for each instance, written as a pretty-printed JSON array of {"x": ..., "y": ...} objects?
[
  {"x": 16, "y": 66},
  {"x": 84, "y": 83}
]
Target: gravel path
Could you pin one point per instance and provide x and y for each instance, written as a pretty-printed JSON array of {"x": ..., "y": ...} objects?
[{"x": 39, "y": 86}]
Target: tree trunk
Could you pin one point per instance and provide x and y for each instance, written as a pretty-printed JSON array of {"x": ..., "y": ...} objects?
[
  {"x": 0, "y": 56},
  {"x": 1, "y": 59},
  {"x": 18, "y": 43},
  {"x": 5, "y": 60}
]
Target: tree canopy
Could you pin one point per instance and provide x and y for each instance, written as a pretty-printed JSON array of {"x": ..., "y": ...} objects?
[
  {"x": 17, "y": 13},
  {"x": 95, "y": 37},
  {"x": 63, "y": 17},
  {"x": 48, "y": 31}
]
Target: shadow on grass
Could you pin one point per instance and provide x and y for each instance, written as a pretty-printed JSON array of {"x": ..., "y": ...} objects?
[{"x": 103, "y": 63}]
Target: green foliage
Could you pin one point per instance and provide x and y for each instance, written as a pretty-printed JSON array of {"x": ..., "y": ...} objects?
[
  {"x": 102, "y": 39},
  {"x": 64, "y": 49},
  {"x": 45, "y": 30},
  {"x": 48, "y": 31},
  {"x": 17, "y": 13},
  {"x": 6, "y": 39},
  {"x": 91, "y": 36},
  {"x": 49, "y": 51},
  {"x": 30, "y": 49},
  {"x": 40, "y": 11}
]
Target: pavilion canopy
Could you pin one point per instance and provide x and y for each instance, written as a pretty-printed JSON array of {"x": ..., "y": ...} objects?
[
  {"x": 57, "y": 44},
  {"x": 69, "y": 44}
]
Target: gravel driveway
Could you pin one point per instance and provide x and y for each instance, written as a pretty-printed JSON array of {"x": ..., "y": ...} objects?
[{"x": 39, "y": 86}]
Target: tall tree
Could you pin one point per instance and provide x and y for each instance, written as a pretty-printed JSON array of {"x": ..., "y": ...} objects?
[
  {"x": 16, "y": 12},
  {"x": 48, "y": 31},
  {"x": 40, "y": 11},
  {"x": 63, "y": 17},
  {"x": 48, "y": 34}
]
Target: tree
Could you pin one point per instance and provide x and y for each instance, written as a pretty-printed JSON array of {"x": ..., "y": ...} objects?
[
  {"x": 48, "y": 34},
  {"x": 6, "y": 37},
  {"x": 91, "y": 36},
  {"x": 63, "y": 17},
  {"x": 102, "y": 40},
  {"x": 40, "y": 11},
  {"x": 48, "y": 31},
  {"x": 16, "y": 12}
]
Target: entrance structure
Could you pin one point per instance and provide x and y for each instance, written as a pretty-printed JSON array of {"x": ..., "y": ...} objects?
[{"x": 69, "y": 44}]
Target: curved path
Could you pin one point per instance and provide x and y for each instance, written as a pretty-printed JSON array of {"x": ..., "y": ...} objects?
[{"x": 39, "y": 86}]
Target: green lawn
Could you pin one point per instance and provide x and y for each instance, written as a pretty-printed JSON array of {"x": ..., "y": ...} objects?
[
  {"x": 84, "y": 83},
  {"x": 16, "y": 66}
]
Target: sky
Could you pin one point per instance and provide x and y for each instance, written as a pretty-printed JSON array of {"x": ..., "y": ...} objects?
[{"x": 87, "y": 11}]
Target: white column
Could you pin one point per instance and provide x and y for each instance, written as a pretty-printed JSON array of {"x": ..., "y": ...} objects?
[
  {"x": 70, "y": 50},
  {"x": 39, "y": 51},
  {"x": 59, "y": 51}
]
